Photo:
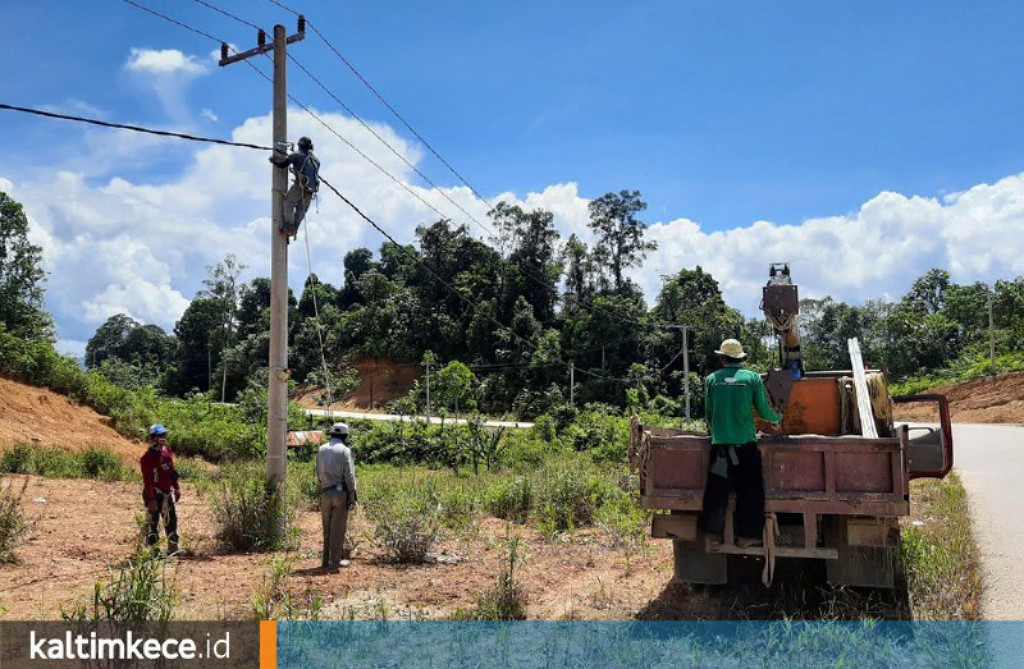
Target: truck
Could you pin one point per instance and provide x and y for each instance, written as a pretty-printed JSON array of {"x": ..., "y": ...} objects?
[{"x": 837, "y": 470}]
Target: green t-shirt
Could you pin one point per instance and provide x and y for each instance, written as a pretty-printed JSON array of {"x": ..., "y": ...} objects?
[{"x": 730, "y": 397}]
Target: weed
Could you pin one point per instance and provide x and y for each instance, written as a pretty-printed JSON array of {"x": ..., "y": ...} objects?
[
  {"x": 13, "y": 526},
  {"x": 247, "y": 512},
  {"x": 506, "y": 600},
  {"x": 274, "y": 602},
  {"x": 137, "y": 591},
  {"x": 570, "y": 495},
  {"x": 55, "y": 463},
  {"x": 623, "y": 521}
]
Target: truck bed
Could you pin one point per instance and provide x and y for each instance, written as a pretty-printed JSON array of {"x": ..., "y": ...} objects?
[{"x": 847, "y": 475}]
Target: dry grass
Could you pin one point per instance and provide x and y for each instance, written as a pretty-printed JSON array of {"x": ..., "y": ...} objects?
[{"x": 940, "y": 554}]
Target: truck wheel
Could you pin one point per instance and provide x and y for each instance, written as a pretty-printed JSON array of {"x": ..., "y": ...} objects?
[{"x": 858, "y": 566}]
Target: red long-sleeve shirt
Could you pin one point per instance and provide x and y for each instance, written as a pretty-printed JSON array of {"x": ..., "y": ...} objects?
[{"x": 158, "y": 472}]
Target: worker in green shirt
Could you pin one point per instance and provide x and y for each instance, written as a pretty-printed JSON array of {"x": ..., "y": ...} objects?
[{"x": 731, "y": 395}]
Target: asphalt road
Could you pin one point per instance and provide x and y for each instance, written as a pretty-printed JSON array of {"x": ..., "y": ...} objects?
[{"x": 322, "y": 413}]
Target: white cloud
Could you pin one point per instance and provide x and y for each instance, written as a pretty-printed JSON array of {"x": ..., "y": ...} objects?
[
  {"x": 209, "y": 115},
  {"x": 163, "y": 62}
]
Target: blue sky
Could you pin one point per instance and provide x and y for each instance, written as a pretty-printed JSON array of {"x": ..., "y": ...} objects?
[{"x": 865, "y": 142}]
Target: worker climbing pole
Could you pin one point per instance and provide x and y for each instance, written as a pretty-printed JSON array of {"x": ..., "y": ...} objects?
[{"x": 277, "y": 421}]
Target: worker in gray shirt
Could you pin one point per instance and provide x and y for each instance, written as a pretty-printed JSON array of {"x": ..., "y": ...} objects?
[{"x": 336, "y": 473}]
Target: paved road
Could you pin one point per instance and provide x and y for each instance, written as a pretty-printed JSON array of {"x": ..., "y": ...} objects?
[
  {"x": 322, "y": 413},
  {"x": 990, "y": 459}
]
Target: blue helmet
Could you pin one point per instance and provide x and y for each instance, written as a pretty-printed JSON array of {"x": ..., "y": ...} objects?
[{"x": 157, "y": 430}]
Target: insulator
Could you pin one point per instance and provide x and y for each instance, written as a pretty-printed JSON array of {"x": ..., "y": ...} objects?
[
  {"x": 223, "y": 51},
  {"x": 261, "y": 38},
  {"x": 302, "y": 24}
]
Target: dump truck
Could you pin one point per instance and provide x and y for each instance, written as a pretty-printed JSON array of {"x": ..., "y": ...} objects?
[{"x": 837, "y": 470}]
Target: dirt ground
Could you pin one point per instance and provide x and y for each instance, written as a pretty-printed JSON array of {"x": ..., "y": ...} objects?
[
  {"x": 988, "y": 400},
  {"x": 82, "y": 526}
]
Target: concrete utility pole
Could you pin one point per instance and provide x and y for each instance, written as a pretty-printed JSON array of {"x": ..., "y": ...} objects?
[
  {"x": 991, "y": 339},
  {"x": 686, "y": 369},
  {"x": 572, "y": 382},
  {"x": 277, "y": 421}
]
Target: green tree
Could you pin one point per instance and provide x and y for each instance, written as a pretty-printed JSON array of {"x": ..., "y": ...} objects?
[
  {"x": 221, "y": 287},
  {"x": 21, "y": 277},
  {"x": 620, "y": 236}
]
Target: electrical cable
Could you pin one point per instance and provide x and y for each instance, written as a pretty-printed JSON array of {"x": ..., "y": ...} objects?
[
  {"x": 319, "y": 327},
  {"x": 583, "y": 301},
  {"x": 134, "y": 128},
  {"x": 229, "y": 15}
]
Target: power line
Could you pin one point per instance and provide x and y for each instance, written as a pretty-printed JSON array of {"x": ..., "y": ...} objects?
[
  {"x": 134, "y": 128},
  {"x": 229, "y": 15},
  {"x": 584, "y": 301},
  {"x": 383, "y": 101}
]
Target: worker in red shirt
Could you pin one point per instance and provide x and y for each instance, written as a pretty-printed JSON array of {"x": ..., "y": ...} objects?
[{"x": 160, "y": 489}]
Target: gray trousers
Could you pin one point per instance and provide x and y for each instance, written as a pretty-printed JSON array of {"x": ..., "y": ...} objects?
[
  {"x": 296, "y": 203},
  {"x": 334, "y": 512}
]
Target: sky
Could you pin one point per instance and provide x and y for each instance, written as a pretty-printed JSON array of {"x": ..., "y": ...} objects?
[{"x": 863, "y": 142}]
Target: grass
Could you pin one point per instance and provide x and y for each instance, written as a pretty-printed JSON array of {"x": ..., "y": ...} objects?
[
  {"x": 506, "y": 599},
  {"x": 275, "y": 602},
  {"x": 940, "y": 555},
  {"x": 95, "y": 462}
]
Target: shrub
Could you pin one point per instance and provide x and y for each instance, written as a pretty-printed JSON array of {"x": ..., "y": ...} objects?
[
  {"x": 100, "y": 463},
  {"x": 247, "y": 513},
  {"x": 570, "y": 496},
  {"x": 55, "y": 463},
  {"x": 17, "y": 460},
  {"x": 622, "y": 520},
  {"x": 511, "y": 499},
  {"x": 408, "y": 524},
  {"x": 13, "y": 526}
]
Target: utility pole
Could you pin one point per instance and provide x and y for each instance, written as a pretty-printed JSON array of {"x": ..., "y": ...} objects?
[
  {"x": 572, "y": 382},
  {"x": 277, "y": 421},
  {"x": 428, "y": 391},
  {"x": 991, "y": 339},
  {"x": 686, "y": 369}
]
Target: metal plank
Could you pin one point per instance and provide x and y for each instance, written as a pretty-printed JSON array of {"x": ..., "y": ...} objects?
[{"x": 860, "y": 382}]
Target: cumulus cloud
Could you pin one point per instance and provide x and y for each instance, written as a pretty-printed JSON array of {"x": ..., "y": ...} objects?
[
  {"x": 163, "y": 62},
  {"x": 124, "y": 244},
  {"x": 209, "y": 115}
]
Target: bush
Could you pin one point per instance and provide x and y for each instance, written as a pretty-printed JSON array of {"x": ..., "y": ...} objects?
[
  {"x": 408, "y": 523},
  {"x": 13, "y": 526},
  {"x": 570, "y": 496},
  {"x": 55, "y": 463},
  {"x": 247, "y": 512},
  {"x": 511, "y": 500},
  {"x": 17, "y": 460},
  {"x": 100, "y": 463}
]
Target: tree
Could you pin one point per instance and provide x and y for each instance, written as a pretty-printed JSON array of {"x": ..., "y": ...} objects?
[
  {"x": 21, "y": 277},
  {"x": 620, "y": 236},
  {"x": 580, "y": 272},
  {"x": 109, "y": 340},
  {"x": 534, "y": 270},
  {"x": 221, "y": 286}
]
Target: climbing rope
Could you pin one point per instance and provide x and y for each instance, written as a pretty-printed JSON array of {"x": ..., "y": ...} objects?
[{"x": 319, "y": 328}]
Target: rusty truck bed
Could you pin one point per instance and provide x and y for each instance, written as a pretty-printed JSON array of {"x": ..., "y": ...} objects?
[{"x": 802, "y": 474}]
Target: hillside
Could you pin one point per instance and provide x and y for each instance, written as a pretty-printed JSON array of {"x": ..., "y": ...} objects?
[
  {"x": 41, "y": 417},
  {"x": 987, "y": 400}
]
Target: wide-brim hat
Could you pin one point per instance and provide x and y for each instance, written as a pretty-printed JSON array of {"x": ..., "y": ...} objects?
[
  {"x": 339, "y": 430},
  {"x": 731, "y": 348}
]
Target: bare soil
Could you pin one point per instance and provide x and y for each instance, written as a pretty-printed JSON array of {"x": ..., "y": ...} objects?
[
  {"x": 989, "y": 400},
  {"x": 41, "y": 417}
]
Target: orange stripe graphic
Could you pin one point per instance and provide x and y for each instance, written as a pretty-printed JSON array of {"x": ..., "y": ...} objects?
[{"x": 268, "y": 644}]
